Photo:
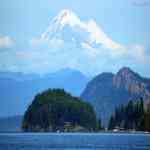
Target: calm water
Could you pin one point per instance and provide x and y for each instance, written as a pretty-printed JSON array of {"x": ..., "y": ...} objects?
[{"x": 76, "y": 141}]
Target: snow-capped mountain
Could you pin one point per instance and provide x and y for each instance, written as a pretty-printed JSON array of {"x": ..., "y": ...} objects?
[{"x": 67, "y": 30}]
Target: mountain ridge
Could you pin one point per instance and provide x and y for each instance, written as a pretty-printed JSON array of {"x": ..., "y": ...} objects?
[
  {"x": 107, "y": 90},
  {"x": 21, "y": 91}
]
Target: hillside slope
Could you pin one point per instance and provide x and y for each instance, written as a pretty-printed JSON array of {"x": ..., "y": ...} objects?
[{"x": 108, "y": 90}]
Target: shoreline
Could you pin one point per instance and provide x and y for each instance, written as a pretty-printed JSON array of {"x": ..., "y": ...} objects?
[{"x": 75, "y": 133}]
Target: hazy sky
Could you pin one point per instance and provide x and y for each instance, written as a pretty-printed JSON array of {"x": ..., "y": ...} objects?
[{"x": 125, "y": 21}]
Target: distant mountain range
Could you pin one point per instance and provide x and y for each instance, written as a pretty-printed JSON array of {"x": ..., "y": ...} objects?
[
  {"x": 107, "y": 90},
  {"x": 17, "y": 89}
]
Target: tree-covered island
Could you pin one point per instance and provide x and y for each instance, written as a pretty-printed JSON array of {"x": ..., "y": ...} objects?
[{"x": 56, "y": 110}]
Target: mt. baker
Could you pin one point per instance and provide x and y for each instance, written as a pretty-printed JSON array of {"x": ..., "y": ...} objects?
[{"x": 67, "y": 30}]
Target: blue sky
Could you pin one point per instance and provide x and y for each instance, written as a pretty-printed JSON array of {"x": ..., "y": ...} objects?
[{"x": 126, "y": 22}]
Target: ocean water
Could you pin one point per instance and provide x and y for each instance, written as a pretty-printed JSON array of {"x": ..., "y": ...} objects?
[{"x": 76, "y": 141}]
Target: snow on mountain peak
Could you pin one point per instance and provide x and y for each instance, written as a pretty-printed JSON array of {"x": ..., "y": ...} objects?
[
  {"x": 66, "y": 16},
  {"x": 88, "y": 31}
]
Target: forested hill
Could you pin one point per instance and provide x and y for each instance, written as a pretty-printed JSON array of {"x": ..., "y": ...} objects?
[
  {"x": 132, "y": 116},
  {"x": 56, "y": 110}
]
